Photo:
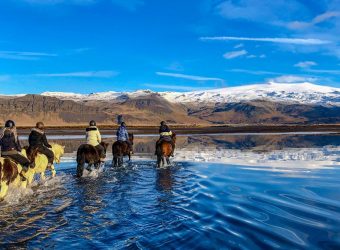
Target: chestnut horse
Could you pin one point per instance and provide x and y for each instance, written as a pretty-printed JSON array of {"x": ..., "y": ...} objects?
[
  {"x": 163, "y": 151},
  {"x": 8, "y": 173},
  {"x": 121, "y": 149},
  {"x": 88, "y": 154},
  {"x": 12, "y": 173}
]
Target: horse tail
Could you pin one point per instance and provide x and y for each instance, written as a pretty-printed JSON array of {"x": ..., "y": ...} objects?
[{"x": 10, "y": 171}]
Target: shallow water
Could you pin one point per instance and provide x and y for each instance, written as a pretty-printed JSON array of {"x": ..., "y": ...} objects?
[{"x": 222, "y": 191}]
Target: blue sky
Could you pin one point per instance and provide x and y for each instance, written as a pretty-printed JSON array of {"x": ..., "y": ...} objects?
[{"x": 124, "y": 45}]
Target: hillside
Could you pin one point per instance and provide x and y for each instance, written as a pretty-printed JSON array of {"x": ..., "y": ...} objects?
[{"x": 270, "y": 103}]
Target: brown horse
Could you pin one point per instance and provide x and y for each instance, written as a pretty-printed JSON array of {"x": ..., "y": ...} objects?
[
  {"x": 121, "y": 149},
  {"x": 9, "y": 173},
  {"x": 164, "y": 150},
  {"x": 88, "y": 154}
]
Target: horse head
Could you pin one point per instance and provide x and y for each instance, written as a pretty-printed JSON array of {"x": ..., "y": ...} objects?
[
  {"x": 105, "y": 145},
  {"x": 173, "y": 137},
  {"x": 58, "y": 151},
  {"x": 131, "y": 137}
]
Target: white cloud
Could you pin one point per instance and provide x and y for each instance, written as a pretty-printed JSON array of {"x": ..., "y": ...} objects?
[
  {"x": 299, "y": 41},
  {"x": 316, "y": 20},
  {"x": 305, "y": 64},
  {"x": 257, "y": 11},
  {"x": 189, "y": 77},
  {"x": 325, "y": 71},
  {"x": 293, "y": 79},
  {"x": 319, "y": 26},
  {"x": 254, "y": 72},
  {"x": 255, "y": 56},
  {"x": 86, "y": 74},
  {"x": 234, "y": 54},
  {"x": 237, "y": 46},
  {"x": 24, "y": 55},
  {"x": 173, "y": 87}
]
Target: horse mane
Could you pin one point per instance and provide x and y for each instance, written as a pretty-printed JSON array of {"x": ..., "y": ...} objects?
[
  {"x": 31, "y": 153},
  {"x": 174, "y": 137}
]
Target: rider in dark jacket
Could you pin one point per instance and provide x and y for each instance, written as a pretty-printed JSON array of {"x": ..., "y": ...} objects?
[
  {"x": 37, "y": 140},
  {"x": 10, "y": 145},
  {"x": 165, "y": 134}
]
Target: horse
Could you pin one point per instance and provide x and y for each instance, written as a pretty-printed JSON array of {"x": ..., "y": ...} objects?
[
  {"x": 41, "y": 161},
  {"x": 121, "y": 149},
  {"x": 163, "y": 151},
  {"x": 88, "y": 154},
  {"x": 12, "y": 173}
]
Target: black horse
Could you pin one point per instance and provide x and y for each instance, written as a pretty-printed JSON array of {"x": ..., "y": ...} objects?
[{"x": 88, "y": 154}]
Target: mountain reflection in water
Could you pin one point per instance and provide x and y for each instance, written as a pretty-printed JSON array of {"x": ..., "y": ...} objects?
[{"x": 222, "y": 191}]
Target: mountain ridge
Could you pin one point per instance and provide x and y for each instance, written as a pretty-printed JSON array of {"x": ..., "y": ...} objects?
[
  {"x": 305, "y": 93},
  {"x": 270, "y": 103}
]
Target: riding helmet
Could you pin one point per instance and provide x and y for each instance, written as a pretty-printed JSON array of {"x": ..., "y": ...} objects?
[
  {"x": 40, "y": 125},
  {"x": 163, "y": 123},
  {"x": 10, "y": 124},
  {"x": 93, "y": 123},
  {"x": 123, "y": 124}
]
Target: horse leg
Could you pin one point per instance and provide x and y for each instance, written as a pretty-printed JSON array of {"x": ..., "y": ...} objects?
[
  {"x": 29, "y": 175},
  {"x": 54, "y": 173},
  {"x": 42, "y": 176},
  {"x": 97, "y": 166},
  {"x": 163, "y": 161},
  {"x": 80, "y": 170},
  {"x": 168, "y": 160},
  {"x": 24, "y": 183},
  {"x": 159, "y": 159},
  {"x": 3, "y": 189},
  {"x": 121, "y": 161}
]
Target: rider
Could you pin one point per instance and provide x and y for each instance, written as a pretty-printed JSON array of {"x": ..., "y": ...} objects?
[
  {"x": 165, "y": 135},
  {"x": 37, "y": 140},
  {"x": 94, "y": 138},
  {"x": 123, "y": 135},
  {"x": 10, "y": 145}
]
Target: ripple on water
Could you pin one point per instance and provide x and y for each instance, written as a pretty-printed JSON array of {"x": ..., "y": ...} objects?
[{"x": 189, "y": 205}]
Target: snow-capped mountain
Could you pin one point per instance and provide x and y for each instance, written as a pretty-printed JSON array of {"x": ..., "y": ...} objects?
[
  {"x": 270, "y": 103},
  {"x": 303, "y": 93}
]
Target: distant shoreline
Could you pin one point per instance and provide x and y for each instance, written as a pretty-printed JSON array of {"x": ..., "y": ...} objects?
[{"x": 196, "y": 129}]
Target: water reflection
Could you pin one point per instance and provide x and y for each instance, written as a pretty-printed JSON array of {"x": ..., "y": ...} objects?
[
  {"x": 257, "y": 143},
  {"x": 274, "y": 150},
  {"x": 223, "y": 191}
]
